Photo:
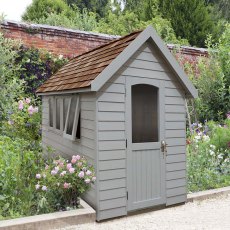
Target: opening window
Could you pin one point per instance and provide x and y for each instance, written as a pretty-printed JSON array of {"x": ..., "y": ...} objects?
[{"x": 64, "y": 115}]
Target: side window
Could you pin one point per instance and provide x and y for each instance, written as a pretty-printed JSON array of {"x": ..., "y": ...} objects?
[{"x": 64, "y": 115}]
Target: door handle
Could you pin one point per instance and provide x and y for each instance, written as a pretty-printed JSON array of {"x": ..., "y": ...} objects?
[{"x": 164, "y": 148}]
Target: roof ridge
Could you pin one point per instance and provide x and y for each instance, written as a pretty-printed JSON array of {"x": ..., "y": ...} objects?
[{"x": 107, "y": 43}]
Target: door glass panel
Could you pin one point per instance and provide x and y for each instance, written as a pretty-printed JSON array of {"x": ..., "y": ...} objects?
[
  {"x": 65, "y": 109},
  {"x": 50, "y": 112},
  {"x": 144, "y": 113}
]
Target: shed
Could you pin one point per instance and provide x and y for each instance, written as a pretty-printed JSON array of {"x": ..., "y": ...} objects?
[{"x": 122, "y": 106}]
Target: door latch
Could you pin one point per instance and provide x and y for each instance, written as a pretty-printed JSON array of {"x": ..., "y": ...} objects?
[{"x": 164, "y": 148}]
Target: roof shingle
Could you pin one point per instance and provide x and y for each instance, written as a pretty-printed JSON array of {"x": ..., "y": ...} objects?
[{"x": 83, "y": 69}]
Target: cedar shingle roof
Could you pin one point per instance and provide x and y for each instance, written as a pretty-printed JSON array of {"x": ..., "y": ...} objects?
[{"x": 83, "y": 69}]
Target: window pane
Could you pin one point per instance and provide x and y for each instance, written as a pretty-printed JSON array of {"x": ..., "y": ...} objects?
[
  {"x": 50, "y": 113},
  {"x": 58, "y": 105},
  {"x": 65, "y": 109},
  {"x": 78, "y": 133},
  {"x": 71, "y": 115},
  {"x": 144, "y": 113}
]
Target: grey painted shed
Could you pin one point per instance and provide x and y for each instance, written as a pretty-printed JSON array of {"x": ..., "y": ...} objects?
[{"x": 122, "y": 106}]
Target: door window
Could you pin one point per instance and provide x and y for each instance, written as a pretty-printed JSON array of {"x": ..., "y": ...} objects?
[{"x": 144, "y": 113}]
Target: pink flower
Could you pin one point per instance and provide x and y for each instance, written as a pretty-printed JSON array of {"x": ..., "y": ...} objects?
[
  {"x": 87, "y": 181},
  {"x": 68, "y": 166},
  {"x": 44, "y": 188},
  {"x": 74, "y": 160},
  {"x": 88, "y": 173},
  {"x": 93, "y": 178},
  {"x": 61, "y": 164},
  {"x": 78, "y": 157},
  {"x": 66, "y": 185},
  {"x": 56, "y": 169},
  {"x": 37, "y": 186},
  {"x": 63, "y": 173},
  {"x": 20, "y": 105},
  {"x": 30, "y": 110},
  {"x": 38, "y": 176},
  {"x": 53, "y": 172},
  {"x": 81, "y": 174},
  {"x": 71, "y": 170},
  {"x": 27, "y": 100},
  {"x": 79, "y": 164}
]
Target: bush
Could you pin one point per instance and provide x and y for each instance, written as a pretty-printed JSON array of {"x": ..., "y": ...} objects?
[
  {"x": 61, "y": 183},
  {"x": 18, "y": 167},
  {"x": 208, "y": 156}
]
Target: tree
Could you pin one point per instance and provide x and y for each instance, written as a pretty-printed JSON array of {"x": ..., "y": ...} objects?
[
  {"x": 97, "y": 6},
  {"x": 43, "y": 8},
  {"x": 190, "y": 19}
]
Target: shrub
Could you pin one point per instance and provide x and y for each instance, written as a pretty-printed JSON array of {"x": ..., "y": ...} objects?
[
  {"x": 18, "y": 166},
  {"x": 208, "y": 156},
  {"x": 61, "y": 183}
]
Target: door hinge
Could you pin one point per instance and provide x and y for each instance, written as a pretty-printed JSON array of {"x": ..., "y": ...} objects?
[
  {"x": 127, "y": 194},
  {"x": 126, "y": 143}
]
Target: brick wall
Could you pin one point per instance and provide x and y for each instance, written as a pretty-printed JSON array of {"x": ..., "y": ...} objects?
[{"x": 70, "y": 42}]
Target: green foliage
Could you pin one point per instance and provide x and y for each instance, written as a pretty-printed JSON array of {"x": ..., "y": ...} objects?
[
  {"x": 10, "y": 85},
  {"x": 190, "y": 19},
  {"x": 18, "y": 165},
  {"x": 126, "y": 22},
  {"x": 208, "y": 157},
  {"x": 43, "y": 8},
  {"x": 60, "y": 183},
  {"x": 81, "y": 21}
]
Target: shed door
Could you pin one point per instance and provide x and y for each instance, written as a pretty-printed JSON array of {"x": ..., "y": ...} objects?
[{"x": 145, "y": 131}]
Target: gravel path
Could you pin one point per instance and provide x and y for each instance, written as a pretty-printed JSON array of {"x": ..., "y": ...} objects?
[{"x": 209, "y": 214}]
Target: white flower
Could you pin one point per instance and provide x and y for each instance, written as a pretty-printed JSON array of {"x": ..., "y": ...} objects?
[
  {"x": 206, "y": 138},
  {"x": 226, "y": 160},
  {"x": 213, "y": 147},
  {"x": 220, "y": 156},
  {"x": 200, "y": 125},
  {"x": 211, "y": 152},
  {"x": 60, "y": 56}
]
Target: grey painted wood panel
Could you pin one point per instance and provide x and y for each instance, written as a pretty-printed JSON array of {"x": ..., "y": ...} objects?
[
  {"x": 176, "y": 141},
  {"x": 111, "y": 116},
  {"x": 112, "y": 194},
  {"x": 109, "y": 126},
  {"x": 88, "y": 133},
  {"x": 176, "y": 191},
  {"x": 175, "y": 175},
  {"x": 112, "y": 155},
  {"x": 109, "y": 107},
  {"x": 112, "y": 97},
  {"x": 175, "y": 166},
  {"x": 111, "y": 145},
  {"x": 173, "y": 93},
  {"x": 175, "y": 109},
  {"x": 110, "y": 213},
  {"x": 176, "y": 183},
  {"x": 111, "y": 135},
  {"x": 145, "y": 73},
  {"x": 114, "y": 88},
  {"x": 112, "y": 174},
  {"x": 112, "y": 184},
  {"x": 175, "y": 125},
  {"x": 174, "y": 101},
  {"x": 176, "y": 200},
  {"x": 175, "y": 158},
  {"x": 175, "y": 117},
  {"x": 113, "y": 203},
  {"x": 112, "y": 164},
  {"x": 175, "y": 133}
]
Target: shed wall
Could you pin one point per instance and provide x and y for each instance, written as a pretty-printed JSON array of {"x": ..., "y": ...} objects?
[
  {"x": 86, "y": 146},
  {"x": 146, "y": 63}
]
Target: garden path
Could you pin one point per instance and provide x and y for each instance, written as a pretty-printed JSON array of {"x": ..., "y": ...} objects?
[{"x": 211, "y": 214}]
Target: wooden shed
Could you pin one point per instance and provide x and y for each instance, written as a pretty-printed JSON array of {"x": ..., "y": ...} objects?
[{"x": 122, "y": 106}]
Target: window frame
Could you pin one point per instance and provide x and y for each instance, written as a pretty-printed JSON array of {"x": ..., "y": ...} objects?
[{"x": 52, "y": 104}]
